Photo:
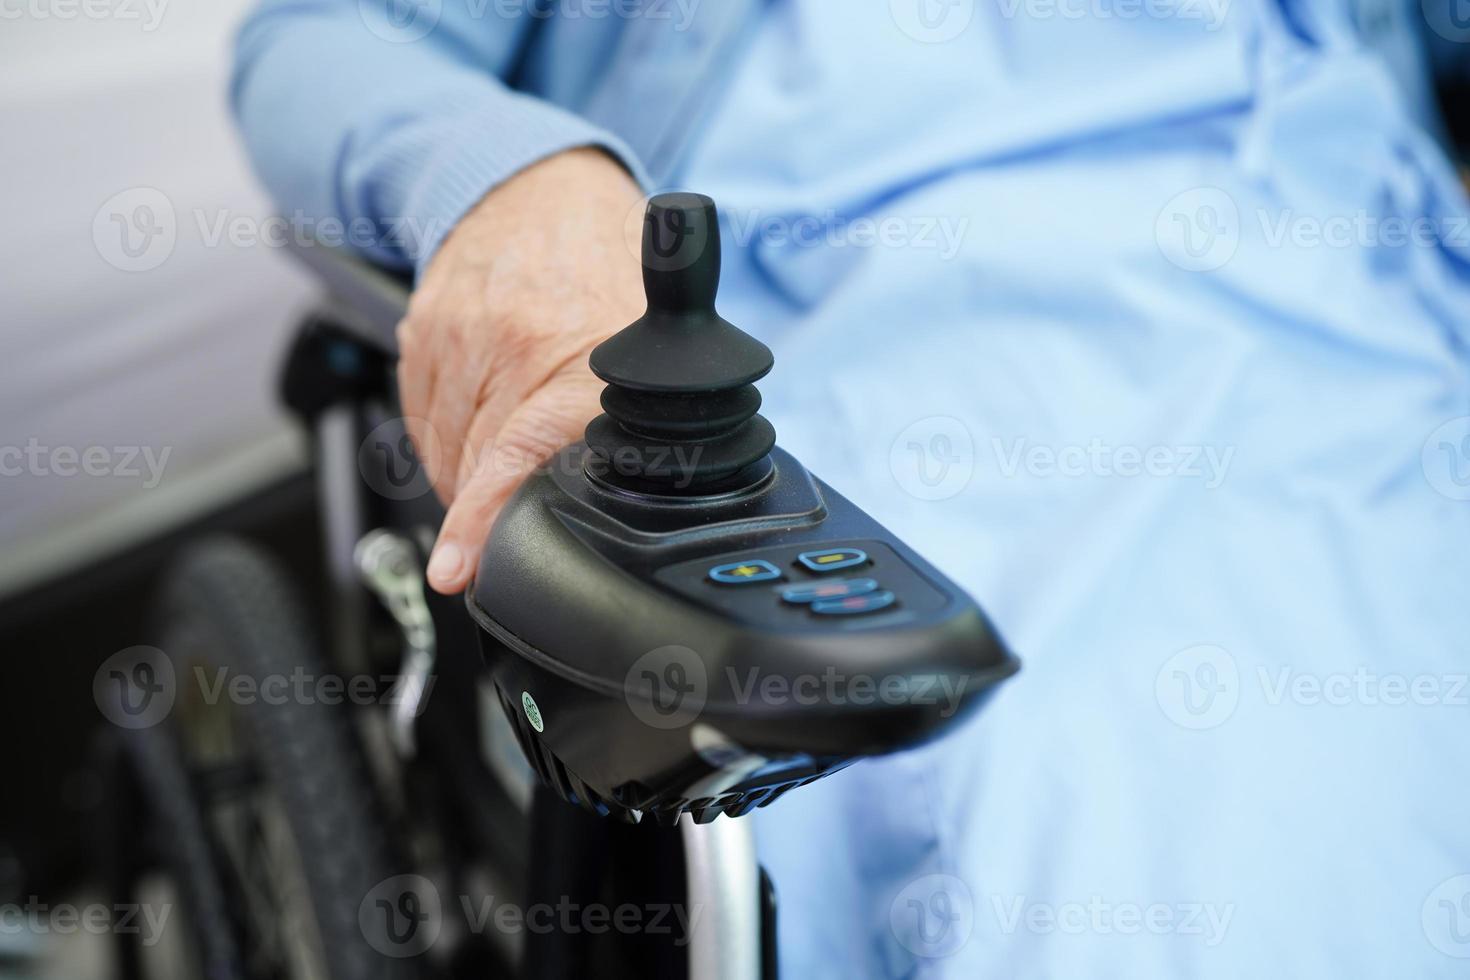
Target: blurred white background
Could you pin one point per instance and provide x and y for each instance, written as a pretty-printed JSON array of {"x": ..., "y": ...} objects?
[{"x": 140, "y": 336}]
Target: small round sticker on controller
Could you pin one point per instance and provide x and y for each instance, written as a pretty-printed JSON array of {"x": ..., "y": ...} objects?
[{"x": 533, "y": 713}]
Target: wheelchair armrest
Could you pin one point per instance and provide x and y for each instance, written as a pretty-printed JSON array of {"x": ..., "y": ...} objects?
[{"x": 367, "y": 299}]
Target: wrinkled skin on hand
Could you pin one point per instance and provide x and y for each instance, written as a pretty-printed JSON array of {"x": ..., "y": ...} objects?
[{"x": 492, "y": 370}]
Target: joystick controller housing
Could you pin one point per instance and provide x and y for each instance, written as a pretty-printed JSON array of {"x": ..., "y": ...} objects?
[{"x": 677, "y": 616}]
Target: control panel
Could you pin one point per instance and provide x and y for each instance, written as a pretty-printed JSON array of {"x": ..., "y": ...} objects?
[{"x": 859, "y": 583}]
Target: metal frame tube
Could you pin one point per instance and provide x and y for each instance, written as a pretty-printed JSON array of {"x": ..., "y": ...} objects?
[{"x": 724, "y": 894}]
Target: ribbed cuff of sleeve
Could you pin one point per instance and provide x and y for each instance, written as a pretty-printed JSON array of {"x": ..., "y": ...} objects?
[{"x": 433, "y": 170}]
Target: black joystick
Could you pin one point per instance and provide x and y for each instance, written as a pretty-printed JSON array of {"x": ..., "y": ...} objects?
[{"x": 680, "y": 400}]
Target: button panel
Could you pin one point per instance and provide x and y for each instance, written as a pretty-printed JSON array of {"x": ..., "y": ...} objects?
[
  {"x": 840, "y": 588},
  {"x": 744, "y": 572},
  {"x": 790, "y": 587},
  {"x": 832, "y": 559},
  {"x": 854, "y": 605}
]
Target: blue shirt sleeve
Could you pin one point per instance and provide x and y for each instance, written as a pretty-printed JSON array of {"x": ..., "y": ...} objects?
[{"x": 396, "y": 125}]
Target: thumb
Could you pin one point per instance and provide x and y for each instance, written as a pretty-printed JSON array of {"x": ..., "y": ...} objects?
[{"x": 551, "y": 419}]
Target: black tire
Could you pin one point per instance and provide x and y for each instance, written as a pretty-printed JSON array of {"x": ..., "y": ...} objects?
[
  {"x": 148, "y": 762},
  {"x": 229, "y": 609}
]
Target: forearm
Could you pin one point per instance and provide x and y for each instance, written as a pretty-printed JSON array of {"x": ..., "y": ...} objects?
[{"x": 402, "y": 138}]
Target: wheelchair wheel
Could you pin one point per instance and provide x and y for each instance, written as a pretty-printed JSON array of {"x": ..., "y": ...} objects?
[
  {"x": 270, "y": 782},
  {"x": 202, "y": 941}
]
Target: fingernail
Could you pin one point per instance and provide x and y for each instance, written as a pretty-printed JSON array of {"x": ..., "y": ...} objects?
[{"x": 445, "y": 564}]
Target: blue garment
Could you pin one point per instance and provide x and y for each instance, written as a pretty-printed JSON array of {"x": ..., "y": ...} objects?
[{"x": 1151, "y": 330}]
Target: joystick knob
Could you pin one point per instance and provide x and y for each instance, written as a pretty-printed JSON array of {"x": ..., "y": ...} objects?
[{"x": 680, "y": 403}]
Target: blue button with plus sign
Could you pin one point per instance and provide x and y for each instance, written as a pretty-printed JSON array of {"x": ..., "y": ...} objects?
[{"x": 744, "y": 572}]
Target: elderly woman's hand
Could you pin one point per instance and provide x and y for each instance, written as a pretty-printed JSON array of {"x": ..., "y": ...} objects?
[{"x": 493, "y": 353}]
